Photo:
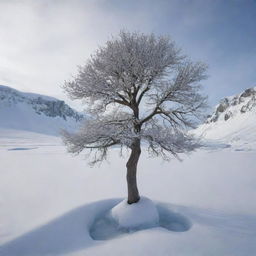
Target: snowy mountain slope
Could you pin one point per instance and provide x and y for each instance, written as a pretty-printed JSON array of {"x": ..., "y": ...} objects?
[
  {"x": 34, "y": 112},
  {"x": 233, "y": 121}
]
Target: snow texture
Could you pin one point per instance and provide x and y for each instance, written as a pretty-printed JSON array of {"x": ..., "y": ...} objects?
[
  {"x": 52, "y": 204},
  {"x": 140, "y": 215}
]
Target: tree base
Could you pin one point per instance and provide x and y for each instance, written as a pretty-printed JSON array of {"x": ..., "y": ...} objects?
[
  {"x": 140, "y": 215},
  {"x": 133, "y": 201}
]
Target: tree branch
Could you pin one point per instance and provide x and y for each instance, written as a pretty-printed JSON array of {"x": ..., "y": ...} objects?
[{"x": 142, "y": 94}]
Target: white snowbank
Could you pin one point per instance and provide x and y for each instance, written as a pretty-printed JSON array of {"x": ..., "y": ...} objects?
[{"x": 142, "y": 214}]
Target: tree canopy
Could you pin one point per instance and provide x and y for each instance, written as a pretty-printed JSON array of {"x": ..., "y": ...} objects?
[{"x": 137, "y": 86}]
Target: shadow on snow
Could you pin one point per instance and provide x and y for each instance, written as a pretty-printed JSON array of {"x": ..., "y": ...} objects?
[
  {"x": 77, "y": 229},
  {"x": 64, "y": 234}
]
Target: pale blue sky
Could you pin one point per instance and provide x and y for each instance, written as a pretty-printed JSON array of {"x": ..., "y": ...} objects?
[{"x": 42, "y": 42}]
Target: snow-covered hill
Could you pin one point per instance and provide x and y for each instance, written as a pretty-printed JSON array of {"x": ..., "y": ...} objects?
[
  {"x": 34, "y": 112},
  {"x": 233, "y": 121}
]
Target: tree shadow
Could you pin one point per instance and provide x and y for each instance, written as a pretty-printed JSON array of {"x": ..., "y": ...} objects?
[
  {"x": 77, "y": 229},
  {"x": 177, "y": 218},
  {"x": 64, "y": 234},
  {"x": 171, "y": 220},
  {"x": 106, "y": 228},
  {"x": 233, "y": 222}
]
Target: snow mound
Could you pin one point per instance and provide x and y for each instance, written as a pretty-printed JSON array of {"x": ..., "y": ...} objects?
[
  {"x": 142, "y": 214},
  {"x": 107, "y": 227}
]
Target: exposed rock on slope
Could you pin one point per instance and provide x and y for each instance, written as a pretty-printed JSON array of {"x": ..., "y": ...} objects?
[
  {"x": 232, "y": 106},
  {"x": 34, "y": 112},
  {"x": 233, "y": 121}
]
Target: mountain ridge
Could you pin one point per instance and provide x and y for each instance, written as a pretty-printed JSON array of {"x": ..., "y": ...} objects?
[
  {"x": 246, "y": 101},
  {"x": 233, "y": 121},
  {"x": 35, "y": 112}
]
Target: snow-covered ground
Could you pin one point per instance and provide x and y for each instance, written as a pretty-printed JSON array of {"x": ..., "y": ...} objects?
[
  {"x": 52, "y": 203},
  {"x": 238, "y": 132}
]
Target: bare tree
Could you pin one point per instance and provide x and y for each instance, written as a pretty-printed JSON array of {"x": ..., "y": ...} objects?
[{"x": 139, "y": 88}]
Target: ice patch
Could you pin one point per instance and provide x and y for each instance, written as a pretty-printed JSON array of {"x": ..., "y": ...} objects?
[{"x": 14, "y": 149}]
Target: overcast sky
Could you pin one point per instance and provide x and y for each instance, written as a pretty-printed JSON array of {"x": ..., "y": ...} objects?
[{"x": 43, "y": 41}]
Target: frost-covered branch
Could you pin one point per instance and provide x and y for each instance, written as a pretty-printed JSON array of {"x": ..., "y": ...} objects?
[
  {"x": 139, "y": 88},
  {"x": 101, "y": 133},
  {"x": 179, "y": 98},
  {"x": 165, "y": 141},
  {"x": 118, "y": 71}
]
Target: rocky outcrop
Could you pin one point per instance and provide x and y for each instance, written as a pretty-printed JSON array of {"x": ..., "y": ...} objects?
[{"x": 230, "y": 106}]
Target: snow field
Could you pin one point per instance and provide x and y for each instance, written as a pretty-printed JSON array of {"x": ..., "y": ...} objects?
[{"x": 52, "y": 203}]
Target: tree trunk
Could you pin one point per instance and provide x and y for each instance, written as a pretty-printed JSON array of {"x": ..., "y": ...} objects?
[{"x": 133, "y": 193}]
